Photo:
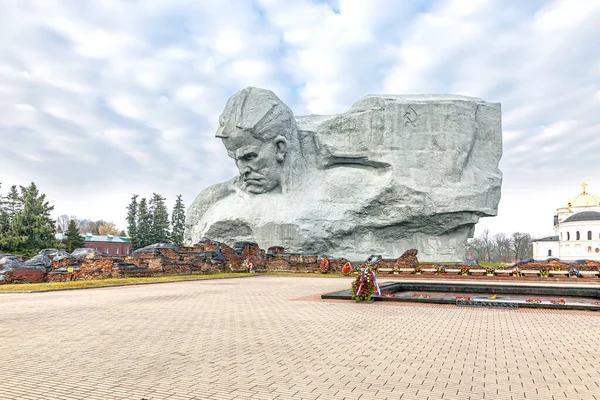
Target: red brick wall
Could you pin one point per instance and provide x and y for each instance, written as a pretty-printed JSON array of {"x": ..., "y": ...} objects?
[{"x": 112, "y": 247}]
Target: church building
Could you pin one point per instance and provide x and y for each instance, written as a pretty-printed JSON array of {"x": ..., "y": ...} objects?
[{"x": 576, "y": 230}]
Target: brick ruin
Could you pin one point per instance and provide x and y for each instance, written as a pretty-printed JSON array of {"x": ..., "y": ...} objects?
[{"x": 208, "y": 257}]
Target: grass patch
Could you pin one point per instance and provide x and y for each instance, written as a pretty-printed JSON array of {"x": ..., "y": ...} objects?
[
  {"x": 49, "y": 286},
  {"x": 307, "y": 274},
  {"x": 492, "y": 264},
  {"x": 94, "y": 283},
  {"x": 482, "y": 263}
]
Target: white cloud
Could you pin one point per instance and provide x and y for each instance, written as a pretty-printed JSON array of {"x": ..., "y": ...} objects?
[{"x": 135, "y": 88}]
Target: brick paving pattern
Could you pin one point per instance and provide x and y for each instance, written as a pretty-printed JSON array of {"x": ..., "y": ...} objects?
[{"x": 246, "y": 339}]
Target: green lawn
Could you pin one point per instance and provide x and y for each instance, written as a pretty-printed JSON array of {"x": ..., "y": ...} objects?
[
  {"x": 482, "y": 263},
  {"x": 47, "y": 286}
]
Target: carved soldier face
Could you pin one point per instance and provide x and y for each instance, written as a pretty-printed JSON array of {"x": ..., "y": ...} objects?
[{"x": 260, "y": 163}]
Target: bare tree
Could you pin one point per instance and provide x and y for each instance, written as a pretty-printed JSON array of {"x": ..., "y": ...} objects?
[
  {"x": 485, "y": 241},
  {"x": 520, "y": 245},
  {"x": 62, "y": 222},
  {"x": 501, "y": 248}
]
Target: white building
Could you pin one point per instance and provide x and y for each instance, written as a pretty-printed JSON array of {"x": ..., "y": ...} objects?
[{"x": 576, "y": 230}]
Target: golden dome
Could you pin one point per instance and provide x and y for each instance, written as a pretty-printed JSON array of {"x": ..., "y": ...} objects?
[{"x": 583, "y": 199}]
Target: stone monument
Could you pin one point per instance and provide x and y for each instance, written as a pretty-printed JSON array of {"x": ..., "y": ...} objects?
[{"x": 392, "y": 173}]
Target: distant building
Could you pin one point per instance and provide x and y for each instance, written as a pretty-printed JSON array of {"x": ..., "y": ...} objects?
[
  {"x": 109, "y": 244},
  {"x": 576, "y": 230}
]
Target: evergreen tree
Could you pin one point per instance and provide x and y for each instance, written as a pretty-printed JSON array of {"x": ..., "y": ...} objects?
[
  {"x": 159, "y": 226},
  {"x": 73, "y": 239},
  {"x": 143, "y": 225},
  {"x": 178, "y": 222},
  {"x": 31, "y": 228},
  {"x": 14, "y": 201},
  {"x": 132, "y": 221},
  {"x": 4, "y": 219}
]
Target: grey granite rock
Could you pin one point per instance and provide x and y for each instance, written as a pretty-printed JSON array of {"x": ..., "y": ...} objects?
[
  {"x": 39, "y": 261},
  {"x": 84, "y": 252},
  {"x": 390, "y": 174},
  {"x": 153, "y": 248},
  {"x": 9, "y": 262}
]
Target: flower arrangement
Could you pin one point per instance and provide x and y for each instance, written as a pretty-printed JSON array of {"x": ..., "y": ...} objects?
[
  {"x": 534, "y": 301},
  {"x": 545, "y": 272},
  {"x": 365, "y": 286},
  {"x": 324, "y": 265},
  {"x": 388, "y": 295},
  {"x": 516, "y": 271},
  {"x": 463, "y": 299},
  {"x": 490, "y": 271},
  {"x": 440, "y": 270},
  {"x": 421, "y": 296},
  {"x": 574, "y": 271},
  {"x": 596, "y": 303},
  {"x": 465, "y": 271},
  {"x": 250, "y": 266},
  {"x": 418, "y": 270},
  {"x": 347, "y": 269},
  {"x": 556, "y": 268},
  {"x": 559, "y": 301}
]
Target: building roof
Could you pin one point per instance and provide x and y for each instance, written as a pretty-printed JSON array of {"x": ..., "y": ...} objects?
[
  {"x": 547, "y": 239},
  {"x": 583, "y": 199},
  {"x": 584, "y": 216},
  {"x": 98, "y": 238}
]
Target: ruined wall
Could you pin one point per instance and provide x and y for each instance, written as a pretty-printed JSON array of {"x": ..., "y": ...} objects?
[{"x": 208, "y": 257}]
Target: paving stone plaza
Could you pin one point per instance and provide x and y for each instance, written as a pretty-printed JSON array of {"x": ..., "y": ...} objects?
[{"x": 272, "y": 337}]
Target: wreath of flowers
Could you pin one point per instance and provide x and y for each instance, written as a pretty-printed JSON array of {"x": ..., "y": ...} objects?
[
  {"x": 388, "y": 295},
  {"x": 250, "y": 266},
  {"x": 574, "y": 271},
  {"x": 516, "y": 271},
  {"x": 440, "y": 270},
  {"x": 490, "y": 271},
  {"x": 559, "y": 301},
  {"x": 421, "y": 296},
  {"x": 534, "y": 301},
  {"x": 396, "y": 268},
  {"x": 463, "y": 299},
  {"x": 418, "y": 270},
  {"x": 324, "y": 265},
  {"x": 347, "y": 269},
  {"x": 465, "y": 271},
  {"x": 545, "y": 272},
  {"x": 365, "y": 285},
  {"x": 556, "y": 268}
]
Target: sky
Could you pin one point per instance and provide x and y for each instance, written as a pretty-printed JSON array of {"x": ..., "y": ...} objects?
[{"x": 100, "y": 100}]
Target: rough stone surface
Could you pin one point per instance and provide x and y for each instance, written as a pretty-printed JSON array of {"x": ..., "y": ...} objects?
[
  {"x": 391, "y": 173},
  {"x": 83, "y": 253},
  {"x": 53, "y": 253},
  {"x": 39, "y": 261},
  {"x": 9, "y": 261},
  {"x": 155, "y": 247}
]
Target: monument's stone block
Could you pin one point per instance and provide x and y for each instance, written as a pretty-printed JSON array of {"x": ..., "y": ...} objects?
[{"x": 391, "y": 173}]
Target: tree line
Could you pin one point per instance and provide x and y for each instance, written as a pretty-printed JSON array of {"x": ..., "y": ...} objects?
[
  {"x": 148, "y": 221},
  {"x": 501, "y": 248},
  {"x": 26, "y": 226},
  {"x": 84, "y": 226}
]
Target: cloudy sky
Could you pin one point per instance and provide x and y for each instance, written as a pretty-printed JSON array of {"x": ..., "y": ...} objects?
[{"x": 102, "y": 99}]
